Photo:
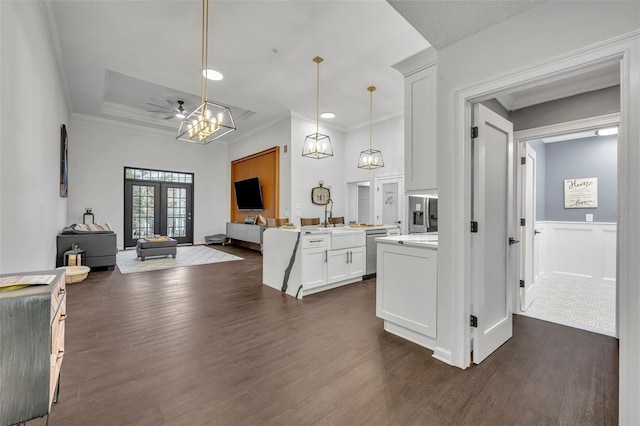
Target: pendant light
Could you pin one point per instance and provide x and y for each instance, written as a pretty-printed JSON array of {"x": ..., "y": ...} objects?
[
  {"x": 317, "y": 145},
  {"x": 370, "y": 158},
  {"x": 210, "y": 121}
]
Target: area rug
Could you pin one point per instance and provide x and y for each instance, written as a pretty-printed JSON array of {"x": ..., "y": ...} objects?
[{"x": 128, "y": 261}]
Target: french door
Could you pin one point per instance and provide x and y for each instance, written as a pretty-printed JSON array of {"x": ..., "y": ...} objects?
[{"x": 158, "y": 208}]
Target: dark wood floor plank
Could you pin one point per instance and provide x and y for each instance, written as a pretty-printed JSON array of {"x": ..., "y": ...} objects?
[
  {"x": 582, "y": 401},
  {"x": 210, "y": 345}
]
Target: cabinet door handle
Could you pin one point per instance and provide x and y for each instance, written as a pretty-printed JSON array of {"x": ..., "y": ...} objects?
[
  {"x": 326, "y": 255},
  {"x": 347, "y": 253},
  {"x": 315, "y": 241}
]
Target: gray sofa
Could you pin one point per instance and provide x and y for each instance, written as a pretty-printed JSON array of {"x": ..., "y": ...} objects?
[{"x": 100, "y": 247}]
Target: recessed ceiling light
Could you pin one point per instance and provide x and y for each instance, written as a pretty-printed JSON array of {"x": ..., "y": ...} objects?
[
  {"x": 327, "y": 115},
  {"x": 608, "y": 131},
  {"x": 212, "y": 74}
]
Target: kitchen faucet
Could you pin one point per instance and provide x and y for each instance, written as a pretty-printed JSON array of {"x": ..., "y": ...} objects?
[{"x": 329, "y": 200}]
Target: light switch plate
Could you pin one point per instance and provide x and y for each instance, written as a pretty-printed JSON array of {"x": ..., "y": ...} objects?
[{"x": 589, "y": 217}]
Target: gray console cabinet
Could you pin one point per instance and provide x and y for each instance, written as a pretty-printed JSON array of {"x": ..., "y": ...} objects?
[
  {"x": 32, "y": 323},
  {"x": 245, "y": 232}
]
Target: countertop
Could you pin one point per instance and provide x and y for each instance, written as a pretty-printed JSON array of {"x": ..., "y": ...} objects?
[
  {"x": 329, "y": 229},
  {"x": 415, "y": 240}
]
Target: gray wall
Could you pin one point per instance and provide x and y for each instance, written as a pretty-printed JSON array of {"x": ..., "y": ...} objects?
[
  {"x": 582, "y": 158},
  {"x": 496, "y": 107},
  {"x": 540, "y": 149},
  {"x": 585, "y": 105}
]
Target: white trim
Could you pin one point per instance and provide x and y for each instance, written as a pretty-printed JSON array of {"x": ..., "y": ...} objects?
[
  {"x": 322, "y": 123},
  {"x": 567, "y": 127},
  {"x": 377, "y": 120},
  {"x": 626, "y": 50},
  {"x": 46, "y": 7},
  {"x": 105, "y": 122}
]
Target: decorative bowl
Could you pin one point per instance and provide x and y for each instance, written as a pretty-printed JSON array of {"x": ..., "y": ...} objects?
[{"x": 75, "y": 274}]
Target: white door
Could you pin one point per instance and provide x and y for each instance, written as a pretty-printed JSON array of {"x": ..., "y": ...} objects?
[
  {"x": 389, "y": 201},
  {"x": 528, "y": 290},
  {"x": 494, "y": 254}
]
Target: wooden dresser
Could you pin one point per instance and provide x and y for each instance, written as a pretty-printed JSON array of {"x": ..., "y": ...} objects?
[{"x": 32, "y": 323}]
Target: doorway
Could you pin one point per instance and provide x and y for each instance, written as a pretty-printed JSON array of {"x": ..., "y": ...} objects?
[
  {"x": 157, "y": 202},
  {"x": 467, "y": 100},
  {"x": 358, "y": 201},
  {"x": 569, "y": 232}
]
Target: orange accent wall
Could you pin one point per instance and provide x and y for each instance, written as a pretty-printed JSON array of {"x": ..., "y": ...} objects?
[{"x": 266, "y": 166}]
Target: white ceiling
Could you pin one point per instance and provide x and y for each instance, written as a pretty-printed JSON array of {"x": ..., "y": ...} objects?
[
  {"x": 444, "y": 22},
  {"x": 119, "y": 55}
]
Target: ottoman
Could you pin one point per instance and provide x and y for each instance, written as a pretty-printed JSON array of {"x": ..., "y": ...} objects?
[{"x": 156, "y": 247}]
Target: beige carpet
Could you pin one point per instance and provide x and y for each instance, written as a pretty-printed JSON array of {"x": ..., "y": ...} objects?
[{"x": 128, "y": 262}]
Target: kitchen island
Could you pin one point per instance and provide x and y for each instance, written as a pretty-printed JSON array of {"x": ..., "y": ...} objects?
[
  {"x": 407, "y": 288},
  {"x": 304, "y": 261}
]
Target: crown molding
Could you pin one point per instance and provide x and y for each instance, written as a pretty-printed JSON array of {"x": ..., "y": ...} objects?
[
  {"x": 323, "y": 123},
  {"x": 119, "y": 125},
  {"x": 377, "y": 120},
  {"x": 54, "y": 44}
]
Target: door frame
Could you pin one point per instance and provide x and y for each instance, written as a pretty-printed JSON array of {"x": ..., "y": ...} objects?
[
  {"x": 624, "y": 50},
  {"x": 402, "y": 200},
  {"x": 521, "y": 137}
]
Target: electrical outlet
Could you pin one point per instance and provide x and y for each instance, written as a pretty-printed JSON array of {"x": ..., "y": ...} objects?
[{"x": 589, "y": 217}]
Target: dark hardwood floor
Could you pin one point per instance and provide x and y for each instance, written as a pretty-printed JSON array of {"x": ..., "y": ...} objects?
[{"x": 210, "y": 345}]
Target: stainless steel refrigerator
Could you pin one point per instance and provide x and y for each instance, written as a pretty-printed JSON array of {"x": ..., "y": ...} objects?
[{"x": 423, "y": 214}]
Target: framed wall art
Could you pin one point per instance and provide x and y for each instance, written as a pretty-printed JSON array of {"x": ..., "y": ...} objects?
[
  {"x": 64, "y": 161},
  {"x": 581, "y": 193}
]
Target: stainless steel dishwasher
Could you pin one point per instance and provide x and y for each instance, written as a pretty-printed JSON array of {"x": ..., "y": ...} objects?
[{"x": 372, "y": 249}]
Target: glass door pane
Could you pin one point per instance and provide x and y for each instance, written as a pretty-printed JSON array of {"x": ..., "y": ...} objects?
[
  {"x": 176, "y": 221},
  {"x": 143, "y": 213},
  {"x": 176, "y": 212}
]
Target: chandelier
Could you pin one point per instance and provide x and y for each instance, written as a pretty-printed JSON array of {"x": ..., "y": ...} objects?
[
  {"x": 317, "y": 145},
  {"x": 210, "y": 121},
  {"x": 370, "y": 158}
]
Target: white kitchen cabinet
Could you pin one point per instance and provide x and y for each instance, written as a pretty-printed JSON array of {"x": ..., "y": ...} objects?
[
  {"x": 314, "y": 265},
  {"x": 406, "y": 291},
  {"x": 302, "y": 262},
  {"x": 420, "y": 120},
  {"x": 345, "y": 264},
  {"x": 420, "y": 130}
]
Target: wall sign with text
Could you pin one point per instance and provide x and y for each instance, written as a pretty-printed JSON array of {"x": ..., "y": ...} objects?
[{"x": 581, "y": 193}]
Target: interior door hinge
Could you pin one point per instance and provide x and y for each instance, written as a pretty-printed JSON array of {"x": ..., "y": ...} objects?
[
  {"x": 522, "y": 222},
  {"x": 522, "y": 283},
  {"x": 523, "y": 160},
  {"x": 474, "y": 321},
  {"x": 474, "y": 132},
  {"x": 474, "y": 226}
]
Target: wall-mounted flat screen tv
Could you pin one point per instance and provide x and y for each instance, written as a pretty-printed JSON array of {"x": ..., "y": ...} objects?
[{"x": 249, "y": 194}]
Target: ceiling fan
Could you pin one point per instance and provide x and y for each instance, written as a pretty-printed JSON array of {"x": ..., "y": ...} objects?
[{"x": 176, "y": 109}]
